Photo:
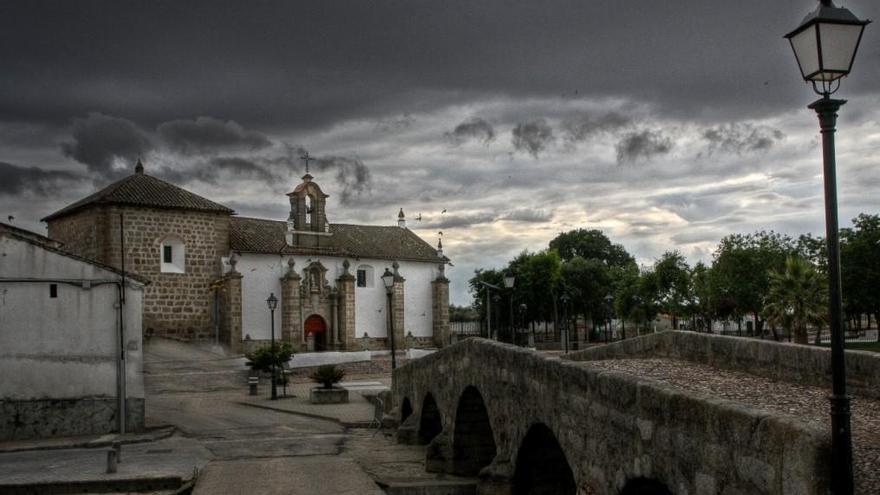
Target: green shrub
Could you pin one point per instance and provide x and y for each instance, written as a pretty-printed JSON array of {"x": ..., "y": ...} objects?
[
  {"x": 263, "y": 358},
  {"x": 327, "y": 375}
]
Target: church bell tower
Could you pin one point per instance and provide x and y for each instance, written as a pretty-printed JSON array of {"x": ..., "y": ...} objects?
[{"x": 307, "y": 225}]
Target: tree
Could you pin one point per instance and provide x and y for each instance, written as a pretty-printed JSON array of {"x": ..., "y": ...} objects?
[
  {"x": 796, "y": 298},
  {"x": 479, "y": 291},
  {"x": 860, "y": 267},
  {"x": 673, "y": 284},
  {"x": 702, "y": 293},
  {"x": 590, "y": 244},
  {"x": 740, "y": 267},
  {"x": 587, "y": 282},
  {"x": 463, "y": 313}
]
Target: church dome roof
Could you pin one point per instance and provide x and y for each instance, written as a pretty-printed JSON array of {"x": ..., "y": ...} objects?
[{"x": 140, "y": 189}]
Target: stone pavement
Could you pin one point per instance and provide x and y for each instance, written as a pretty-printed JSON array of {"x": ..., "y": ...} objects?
[
  {"x": 359, "y": 412},
  {"x": 286, "y": 475},
  {"x": 172, "y": 459}
]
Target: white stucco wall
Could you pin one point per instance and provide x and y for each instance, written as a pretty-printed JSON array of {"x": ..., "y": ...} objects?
[
  {"x": 64, "y": 347},
  {"x": 262, "y": 273}
]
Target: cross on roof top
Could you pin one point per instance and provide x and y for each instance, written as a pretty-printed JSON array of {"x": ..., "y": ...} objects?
[{"x": 306, "y": 157}]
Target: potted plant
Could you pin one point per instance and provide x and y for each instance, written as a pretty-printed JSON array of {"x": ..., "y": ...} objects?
[
  {"x": 328, "y": 375},
  {"x": 263, "y": 359}
]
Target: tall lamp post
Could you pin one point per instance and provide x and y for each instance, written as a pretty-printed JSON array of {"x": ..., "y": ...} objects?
[
  {"x": 272, "y": 302},
  {"x": 489, "y": 288},
  {"x": 565, "y": 299},
  {"x": 825, "y": 46},
  {"x": 388, "y": 280},
  {"x": 508, "y": 284},
  {"x": 522, "y": 315}
]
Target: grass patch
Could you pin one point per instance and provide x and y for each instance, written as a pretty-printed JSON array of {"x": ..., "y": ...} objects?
[{"x": 860, "y": 346}]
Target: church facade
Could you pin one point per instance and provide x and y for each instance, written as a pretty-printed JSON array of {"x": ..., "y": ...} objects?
[{"x": 212, "y": 271}]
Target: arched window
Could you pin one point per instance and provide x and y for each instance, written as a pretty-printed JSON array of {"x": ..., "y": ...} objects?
[
  {"x": 365, "y": 276},
  {"x": 309, "y": 209},
  {"x": 172, "y": 255}
]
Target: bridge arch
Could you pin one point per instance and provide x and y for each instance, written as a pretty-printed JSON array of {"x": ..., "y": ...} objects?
[
  {"x": 405, "y": 410},
  {"x": 430, "y": 422},
  {"x": 644, "y": 486},
  {"x": 541, "y": 465},
  {"x": 473, "y": 442}
]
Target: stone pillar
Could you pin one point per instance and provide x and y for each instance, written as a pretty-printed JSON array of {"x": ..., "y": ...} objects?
[
  {"x": 291, "y": 306},
  {"x": 230, "y": 310},
  {"x": 334, "y": 318},
  {"x": 397, "y": 308},
  {"x": 345, "y": 284},
  {"x": 440, "y": 309}
]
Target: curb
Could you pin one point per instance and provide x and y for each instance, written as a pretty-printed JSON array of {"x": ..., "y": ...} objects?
[
  {"x": 156, "y": 434},
  {"x": 346, "y": 424}
]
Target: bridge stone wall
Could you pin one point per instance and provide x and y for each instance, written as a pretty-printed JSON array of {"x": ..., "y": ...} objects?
[
  {"x": 612, "y": 427},
  {"x": 802, "y": 364}
]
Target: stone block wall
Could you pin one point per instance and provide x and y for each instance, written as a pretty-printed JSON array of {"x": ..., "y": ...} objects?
[
  {"x": 45, "y": 418},
  {"x": 612, "y": 427},
  {"x": 175, "y": 305},
  {"x": 440, "y": 311},
  {"x": 803, "y": 364}
]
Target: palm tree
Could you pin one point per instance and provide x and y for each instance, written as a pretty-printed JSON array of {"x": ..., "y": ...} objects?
[{"x": 796, "y": 298}]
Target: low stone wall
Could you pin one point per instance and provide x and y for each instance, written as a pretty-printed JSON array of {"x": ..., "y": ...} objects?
[
  {"x": 612, "y": 427},
  {"x": 803, "y": 364},
  {"x": 26, "y": 419}
]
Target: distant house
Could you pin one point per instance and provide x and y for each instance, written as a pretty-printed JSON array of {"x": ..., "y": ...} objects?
[{"x": 70, "y": 346}]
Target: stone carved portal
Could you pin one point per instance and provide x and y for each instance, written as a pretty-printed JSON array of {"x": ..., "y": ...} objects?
[{"x": 315, "y": 329}]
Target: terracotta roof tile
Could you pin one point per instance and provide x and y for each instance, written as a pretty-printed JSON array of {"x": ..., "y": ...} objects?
[
  {"x": 143, "y": 190},
  {"x": 255, "y": 235}
]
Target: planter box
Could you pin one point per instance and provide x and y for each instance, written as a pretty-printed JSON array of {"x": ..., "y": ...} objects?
[{"x": 335, "y": 395}]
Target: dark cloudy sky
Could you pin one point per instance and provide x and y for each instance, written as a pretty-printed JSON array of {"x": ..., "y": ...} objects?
[{"x": 666, "y": 124}]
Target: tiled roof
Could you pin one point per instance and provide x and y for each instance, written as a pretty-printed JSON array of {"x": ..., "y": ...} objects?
[
  {"x": 254, "y": 235},
  {"x": 143, "y": 190}
]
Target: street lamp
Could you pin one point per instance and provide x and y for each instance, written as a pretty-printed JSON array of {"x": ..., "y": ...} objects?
[
  {"x": 609, "y": 300},
  {"x": 388, "y": 280},
  {"x": 272, "y": 302},
  {"x": 825, "y": 46},
  {"x": 565, "y": 299},
  {"x": 508, "y": 283}
]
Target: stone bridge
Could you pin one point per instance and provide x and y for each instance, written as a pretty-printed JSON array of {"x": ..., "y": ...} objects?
[{"x": 527, "y": 424}]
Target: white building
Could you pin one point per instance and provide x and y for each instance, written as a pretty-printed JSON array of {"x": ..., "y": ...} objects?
[{"x": 68, "y": 349}]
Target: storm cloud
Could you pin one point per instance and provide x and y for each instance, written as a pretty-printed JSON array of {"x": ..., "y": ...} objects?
[
  {"x": 106, "y": 145},
  {"x": 741, "y": 138},
  {"x": 532, "y": 137},
  {"x": 586, "y": 126},
  {"x": 207, "y": 134},
  {"x": 351, "y": 175},
  {"x": 19, "y": 180},
  {"x": 642, "y": 145},
  {"x": 475, "y": 129}
]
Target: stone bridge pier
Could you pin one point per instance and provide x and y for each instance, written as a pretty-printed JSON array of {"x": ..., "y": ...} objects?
[{"x": 524, "y": 424}]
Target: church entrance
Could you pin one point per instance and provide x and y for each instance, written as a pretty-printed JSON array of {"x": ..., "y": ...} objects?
[{"x": 316, "y": 328}]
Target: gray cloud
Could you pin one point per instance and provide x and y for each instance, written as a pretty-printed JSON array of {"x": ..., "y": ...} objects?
[
  {"x": 741, "y": 138},
  {"x": 207, "y": 134},
  {"x": 532, "y": 137},
  {"x": 101, "y": 141},
  {"x": 452, "y": 220},
  {"x": 351, "y": 174},
  {"x": 474, "y": 128},
  {"x": 395, "y": 124},
  {"x": 528, "y": 215},
  {"x": 585, "y": 126},
  {"x": 645, "y": 145},
  {"x": 18, "y": 180}
]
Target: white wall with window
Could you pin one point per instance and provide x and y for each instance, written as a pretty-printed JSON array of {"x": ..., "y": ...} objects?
[{"x": 172, "y": 255}]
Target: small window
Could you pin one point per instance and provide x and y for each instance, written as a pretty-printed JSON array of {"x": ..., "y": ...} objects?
[
  {"x": 364, "y": 276},
  {"x": 53, "y": 290},
  {"x": 172, "y": 255}
]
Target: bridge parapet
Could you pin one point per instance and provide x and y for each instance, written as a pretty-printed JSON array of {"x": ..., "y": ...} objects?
[
  {"x": 492, "y": 406},
  {"x": 794, "y": 363}
]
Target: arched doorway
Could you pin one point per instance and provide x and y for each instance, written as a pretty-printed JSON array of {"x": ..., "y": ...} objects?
[
  {"x": 317, "y": 327},
  {"x": 430, "y": 424},
  {"x": 644, "y": 486},
  {"x": 473, "y": 444},
  {"x": 541, "y": 466}
]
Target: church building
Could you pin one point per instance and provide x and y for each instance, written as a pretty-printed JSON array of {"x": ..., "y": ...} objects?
[{"x": 211, "y": 272}]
